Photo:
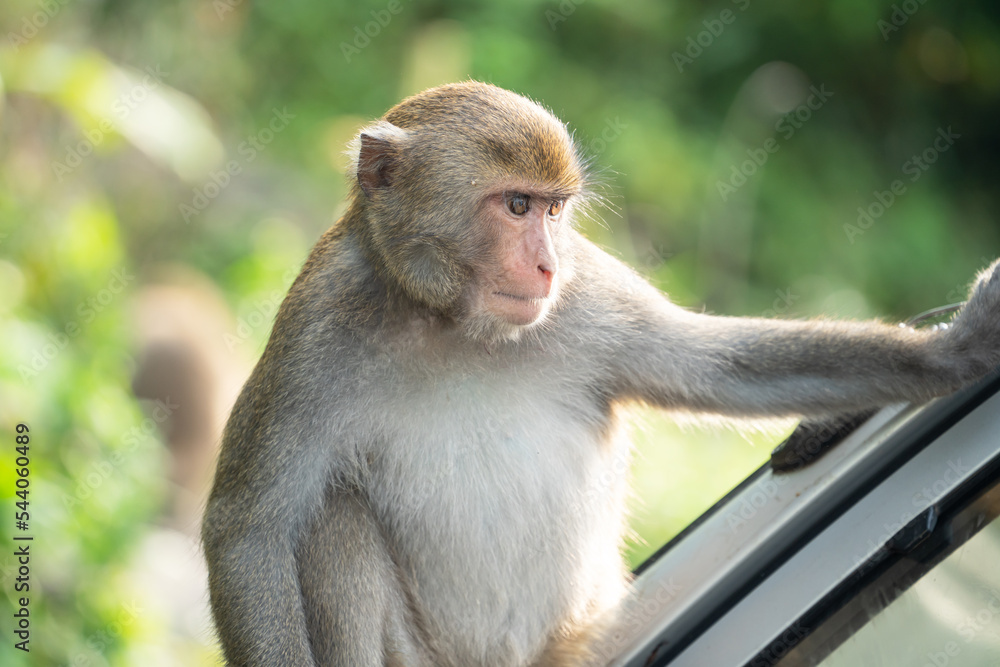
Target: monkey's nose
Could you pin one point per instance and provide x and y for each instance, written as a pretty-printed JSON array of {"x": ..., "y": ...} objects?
[{"x": 547, "y": 274}]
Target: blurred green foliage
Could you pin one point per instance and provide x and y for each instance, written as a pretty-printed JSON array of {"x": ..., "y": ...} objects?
[{"x": 209, "y": 133}]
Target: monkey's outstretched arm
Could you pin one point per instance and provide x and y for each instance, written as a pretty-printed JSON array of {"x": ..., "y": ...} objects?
[
  {"x": 756, "y": 366},
  {"x": 752, "y": 366}
]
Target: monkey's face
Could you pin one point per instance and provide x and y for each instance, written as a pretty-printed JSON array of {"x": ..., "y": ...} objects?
[
  {"x": 463, "y": 191},
  {"x": 522, "y": 282}
]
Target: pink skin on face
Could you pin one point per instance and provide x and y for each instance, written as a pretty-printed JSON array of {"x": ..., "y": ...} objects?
[{"x": 528, "y": 262}]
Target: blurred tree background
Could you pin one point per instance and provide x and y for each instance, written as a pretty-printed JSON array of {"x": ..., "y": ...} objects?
[{"x": 165, "y": 168}]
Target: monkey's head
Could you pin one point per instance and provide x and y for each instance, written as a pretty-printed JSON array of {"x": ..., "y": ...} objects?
[{"x": 466, "y": 193}]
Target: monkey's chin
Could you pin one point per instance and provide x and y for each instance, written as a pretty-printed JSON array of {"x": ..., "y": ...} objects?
[
  {"x": 519, "y": 311},
  {"x": 494, "y": 319}
]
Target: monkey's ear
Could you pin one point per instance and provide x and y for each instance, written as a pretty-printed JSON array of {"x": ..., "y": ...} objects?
[
  {"x": 376, "y": 164},
  {"x": 378, "y": 150}
]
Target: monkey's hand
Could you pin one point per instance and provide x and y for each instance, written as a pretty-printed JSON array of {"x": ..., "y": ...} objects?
[{"x": 972, "y": 343}]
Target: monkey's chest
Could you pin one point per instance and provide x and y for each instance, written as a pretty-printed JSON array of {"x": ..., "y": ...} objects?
[{"x": 505, "y": 507}]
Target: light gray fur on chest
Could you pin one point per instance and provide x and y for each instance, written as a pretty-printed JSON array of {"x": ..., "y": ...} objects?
[{"x": 488, "y": 485}]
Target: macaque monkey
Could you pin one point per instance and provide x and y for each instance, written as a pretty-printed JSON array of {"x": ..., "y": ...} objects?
[{"x": 419, "y": 470}]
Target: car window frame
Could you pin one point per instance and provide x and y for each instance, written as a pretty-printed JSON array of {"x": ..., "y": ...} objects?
[{"x": 733, "y": 579}]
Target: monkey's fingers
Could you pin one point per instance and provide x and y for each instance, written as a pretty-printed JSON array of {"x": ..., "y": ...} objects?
[{"x": 814, "y": 437}]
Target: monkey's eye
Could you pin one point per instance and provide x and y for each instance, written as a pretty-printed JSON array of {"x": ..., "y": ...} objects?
[
  {"x": 555, "y": 209},
  {"x": 518, "y": 204}
]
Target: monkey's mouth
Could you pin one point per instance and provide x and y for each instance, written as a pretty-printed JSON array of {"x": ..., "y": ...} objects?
[{"x": 525, "y": 299}]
